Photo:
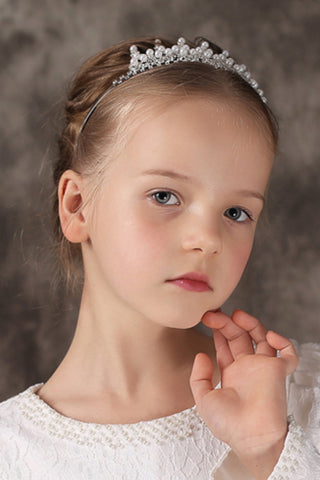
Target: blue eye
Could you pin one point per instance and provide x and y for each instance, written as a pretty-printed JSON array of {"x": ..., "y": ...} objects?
[
  {"x": 237, "y": 214},
  {"x": 165, "y": 198}
]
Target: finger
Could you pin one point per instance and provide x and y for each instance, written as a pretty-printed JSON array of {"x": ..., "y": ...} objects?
[
  {"x": 223, "y": 353},
  {"x": 201, "y": 377},
  {"x": 264, "y": 348},
  {"x": 256, "y": 330},
  {"x": 286, "y": 350},
  {"x": 239, "y": 340}
]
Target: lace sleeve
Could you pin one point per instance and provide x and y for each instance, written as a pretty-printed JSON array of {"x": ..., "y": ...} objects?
[
  {"x": 299, "y": 459},
  {"x": 304, "y": 392}
]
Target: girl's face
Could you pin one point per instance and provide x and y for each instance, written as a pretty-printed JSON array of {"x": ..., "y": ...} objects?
[{"x": 184, "y": 195}]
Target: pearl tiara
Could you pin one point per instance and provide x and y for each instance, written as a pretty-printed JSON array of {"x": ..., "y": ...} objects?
[{"x": 181, "y": 52}]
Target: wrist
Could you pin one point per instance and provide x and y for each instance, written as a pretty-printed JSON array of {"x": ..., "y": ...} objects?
[{"x": 261, "y": 460}]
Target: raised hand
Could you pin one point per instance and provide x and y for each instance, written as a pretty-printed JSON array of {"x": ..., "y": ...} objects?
[{"x": 249, "y": 411}]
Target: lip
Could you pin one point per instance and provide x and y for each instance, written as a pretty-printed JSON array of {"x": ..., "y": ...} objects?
[{"x": 193, "y": 281}]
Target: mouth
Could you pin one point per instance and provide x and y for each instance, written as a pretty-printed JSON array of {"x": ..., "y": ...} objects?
[{"x": 192, "y": 281}]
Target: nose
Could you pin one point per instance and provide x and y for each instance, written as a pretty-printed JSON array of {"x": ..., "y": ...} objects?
[{"x": 203, "y": 235}]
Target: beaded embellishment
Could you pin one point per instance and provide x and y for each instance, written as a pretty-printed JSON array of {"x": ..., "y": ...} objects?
[
  {"x": 181, "y": 52},
  {"x": 160, "y": 430}
]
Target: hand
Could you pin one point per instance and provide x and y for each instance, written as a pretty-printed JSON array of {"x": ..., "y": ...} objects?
[{"x": 249, "y": 411}]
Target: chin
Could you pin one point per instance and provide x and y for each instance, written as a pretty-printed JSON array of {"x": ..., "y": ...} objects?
[{"x": 183, "y": 321}]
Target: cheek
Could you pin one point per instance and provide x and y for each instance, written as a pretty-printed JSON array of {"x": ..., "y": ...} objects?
[
  {"x": 140, "y": 243},
  {"x": 243, "y": 255},
  {"x": 240, "y": 256},
  {"x": 232, "y": 268}
]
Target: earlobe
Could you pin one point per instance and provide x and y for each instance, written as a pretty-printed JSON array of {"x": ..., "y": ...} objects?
[{"x": 71, "y": 201}]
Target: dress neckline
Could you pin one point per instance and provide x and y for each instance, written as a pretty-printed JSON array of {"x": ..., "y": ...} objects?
[{"x": 175, "y": 426}]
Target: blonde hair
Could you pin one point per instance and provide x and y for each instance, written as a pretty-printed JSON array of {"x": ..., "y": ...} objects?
[{"x": 90, "y": 151}]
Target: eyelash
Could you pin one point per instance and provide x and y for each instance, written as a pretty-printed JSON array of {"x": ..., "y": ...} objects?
[
  {"x": 242, "y": 210},
  {"x": 248, "y": 214}
]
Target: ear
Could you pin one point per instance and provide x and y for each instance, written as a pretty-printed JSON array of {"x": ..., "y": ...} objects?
[{"x": 71, "y": 201}]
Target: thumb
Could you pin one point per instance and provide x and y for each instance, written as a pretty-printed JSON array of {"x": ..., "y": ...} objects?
[{"x": 201, "y": 377}]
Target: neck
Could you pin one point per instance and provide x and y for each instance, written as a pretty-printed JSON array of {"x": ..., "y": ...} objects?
[
  {"x": 128, "y": 359},
  {"x": 133, "y": 347}
]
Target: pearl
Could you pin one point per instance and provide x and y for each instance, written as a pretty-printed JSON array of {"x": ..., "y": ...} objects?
[{"x": 133, "y": 49}]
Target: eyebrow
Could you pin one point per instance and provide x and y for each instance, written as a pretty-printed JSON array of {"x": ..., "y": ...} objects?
[
  {"x": 180, "y": 176},
  {"x": 170, "y": 174},
  {"x": 251, "y": 193}
]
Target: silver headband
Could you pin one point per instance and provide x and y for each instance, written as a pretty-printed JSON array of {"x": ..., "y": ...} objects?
[{"x": 181, "y": 52}]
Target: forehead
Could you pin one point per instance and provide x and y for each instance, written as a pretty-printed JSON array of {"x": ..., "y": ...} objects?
[{"x": 195, "y": 135}]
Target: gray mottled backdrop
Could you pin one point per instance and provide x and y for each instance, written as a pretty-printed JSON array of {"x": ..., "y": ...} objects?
[{"x": 42, "y": 43}]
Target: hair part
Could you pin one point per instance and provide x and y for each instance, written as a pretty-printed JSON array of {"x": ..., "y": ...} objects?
[{"x": 91, "y": 150}]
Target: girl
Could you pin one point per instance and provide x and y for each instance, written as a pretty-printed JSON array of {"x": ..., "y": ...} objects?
[{"x": 164, "y": 162}]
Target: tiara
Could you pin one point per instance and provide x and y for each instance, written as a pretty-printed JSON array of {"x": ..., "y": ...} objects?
[{"x": 181, "y": 52}]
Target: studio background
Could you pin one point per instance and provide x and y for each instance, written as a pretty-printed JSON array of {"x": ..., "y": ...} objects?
[{"x": 42, "y": 44}]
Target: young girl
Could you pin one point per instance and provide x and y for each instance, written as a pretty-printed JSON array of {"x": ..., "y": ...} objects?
[{"x": 164, "y": 163}]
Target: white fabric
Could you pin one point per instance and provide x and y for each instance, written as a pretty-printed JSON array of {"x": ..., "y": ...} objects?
[{"x": 36, "y": 442}]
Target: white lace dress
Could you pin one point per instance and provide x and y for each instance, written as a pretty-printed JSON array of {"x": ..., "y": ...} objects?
[{"x": 36, "y": 442}]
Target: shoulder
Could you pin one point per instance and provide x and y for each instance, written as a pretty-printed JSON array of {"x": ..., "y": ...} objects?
[
  {"x": 16, "y": 435},
  {"x": 12, "y": 415},
  {"x": 304, "y": 390},
  {"x": 8, "y": 408}
]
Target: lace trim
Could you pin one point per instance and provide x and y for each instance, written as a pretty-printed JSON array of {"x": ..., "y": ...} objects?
[
  {"x": 299, "y": 458},
  {"x": 177, "y": 426}
]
